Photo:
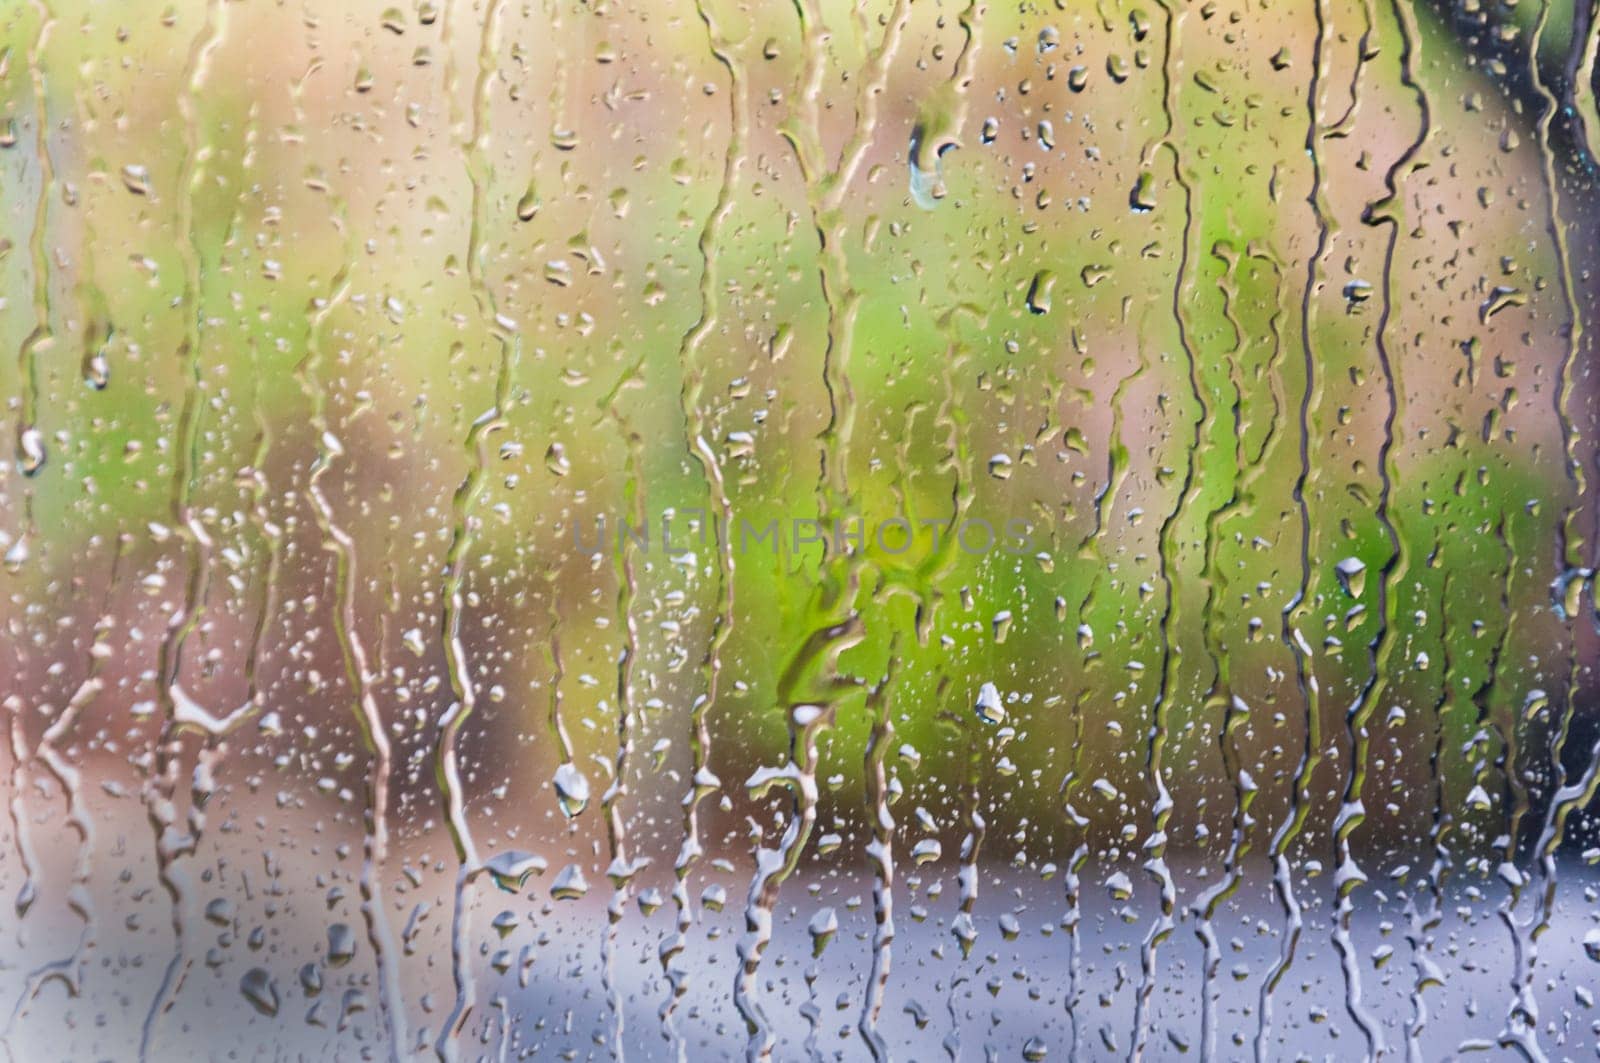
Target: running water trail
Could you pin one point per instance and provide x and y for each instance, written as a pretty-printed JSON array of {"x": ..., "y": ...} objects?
[
  {"x": 178, "y": 710},
  {"x": 1219, "y": 691},
  {"x": 358, "y": 669},
  {"x": 1155, "y": 845},
  {"x": 69, "y": 776},
  {"x": 1312, "y": 753},
  {"x": 1389, "y": 211},
  {"x": 702, "y": 781},
  {"x": 30, "y": 451},
  {"x": 880, "y": 851},
  {"x": 463, "y": 685},
  {"x": 1092, "y": 551},
  {"x": 1521, "y": 1028},
  {"x": 810, "y": 686},
  {"x": 1580, "y": 77},
  {"x": 807, "y": 720},
  {"x": 622, "y": 869},
  {"x": 1420, "y": 923}
]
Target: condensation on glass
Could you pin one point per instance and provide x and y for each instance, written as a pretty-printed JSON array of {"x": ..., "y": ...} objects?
[{"x": 901, "y": 530}]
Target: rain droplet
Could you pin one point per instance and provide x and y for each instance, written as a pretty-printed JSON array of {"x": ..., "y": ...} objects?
[
  {"x": 989, "y": 708},
  {"x": 1352, "y": 576},
  {"x": 511, "y": 868},
  {"x": 258, "y": 988},
  {"x": 569, "y": 884},
  {"x": 572, "y": 789},
  {"x": 341, "y": 944}
]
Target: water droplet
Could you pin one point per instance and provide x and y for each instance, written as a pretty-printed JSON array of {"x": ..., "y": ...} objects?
[
  {"x": 989, "y": 708},
  {"x": 572, "y": 789},
  {"x": 1039, "y": 291},
  {"x": 341, "y": 944},
  {"x": 823, "y": 926},
  {"x": 569, "y": 884},
  {"x": 1352, "y": 573},
  {"x": 511, "y": 868},
  {"x": 1143, "y": 196},
  {"x": 258, "y": 988}
]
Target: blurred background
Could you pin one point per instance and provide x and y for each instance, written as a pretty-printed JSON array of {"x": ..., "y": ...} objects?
[{"x": 329, "y": 327}]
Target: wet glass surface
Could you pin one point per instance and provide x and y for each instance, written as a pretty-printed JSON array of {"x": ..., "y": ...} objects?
[{"x": 682, "y": 530}]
